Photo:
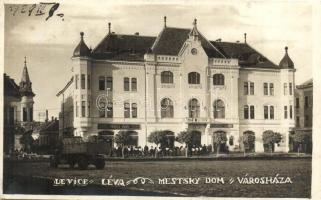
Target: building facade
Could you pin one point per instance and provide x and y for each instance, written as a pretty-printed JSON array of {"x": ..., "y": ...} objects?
[
  {"x": 178, "y": 81},
  {"x": 18, "y": 109},
  {"x": 304, "y": 112}
]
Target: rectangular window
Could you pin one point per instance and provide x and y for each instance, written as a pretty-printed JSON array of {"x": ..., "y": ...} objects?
[
  {"x": 271, "y": 112},
  {"x": 246, "y": 88},
  {"x": 306, "y": 101},
  {"x": 251, "y": 88},
  {"x": 101, "y": 113},
  {"x": 297, "y": 102},
  {"x": 291, "y": 112},
  {"x": 285, "y": 112},
  {"x": 246, "y": 112},
  {"x": 271, "y": 89},
  {"x": 265, "y": 88},
  {"x": 126, "y": 110},
  {"x": 285, "y": 87},
  {"x": 24, "y": 115},
  {"x": 306, "y": 121},
  {"x": 101, "y": 83},
  {"x": 297, "y": 122},
  {"x": 252, "y": 112},
  {"x": 290, "y": 88},
  {"x": 109, "y": 83},
  {"x": 76, "y": 80},
  {"x": 31, "y": 114},
  {"x": 134, "y": 110},
  {"x": 88, "y": 108},
  {"x": 88, "y": 82},
  {"x": 83, "y": 108},
  {"x": 134, "y": 84},
  {"x": 83, "y": 81},
  {"x": 266, "y": 112},
  {"x": 110, "y": 110},
  {"x": 77, "y": 109},
  {"x": 126, "y": 84},
  {"x": 11, "y": 118}
]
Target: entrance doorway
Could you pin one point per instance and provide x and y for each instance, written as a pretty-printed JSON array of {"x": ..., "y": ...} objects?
[
  {"x": 219, "y": 142},
  {"x": 249, "y": 141}
]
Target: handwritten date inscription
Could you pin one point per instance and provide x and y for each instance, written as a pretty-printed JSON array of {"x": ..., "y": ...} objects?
[{"x": 40, "y": 9}]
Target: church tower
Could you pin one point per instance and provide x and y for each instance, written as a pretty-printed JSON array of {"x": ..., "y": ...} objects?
[{"x": 26, "y": 96}]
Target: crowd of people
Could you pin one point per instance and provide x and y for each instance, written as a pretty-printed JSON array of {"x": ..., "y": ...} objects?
[{"x": 152, "y": 151}]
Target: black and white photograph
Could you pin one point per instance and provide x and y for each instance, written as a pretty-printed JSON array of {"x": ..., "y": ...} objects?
[{"x": 170, "y": 99}]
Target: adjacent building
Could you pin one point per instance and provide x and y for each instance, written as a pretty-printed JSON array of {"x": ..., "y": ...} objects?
[
  {"x": 177, "y": 81},
  {"x": 304, "y": 112},
  {"x": 18, "y": 109}
]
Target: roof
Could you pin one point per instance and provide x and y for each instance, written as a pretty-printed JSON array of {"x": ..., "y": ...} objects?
[
  {"x": 171, "y": 40},
  {"x": 10, "y": 88},
  {"x": 286, "y": 61},
  {"x": 81, "y": 49},
  {"x": 247, "y": 56},
  {"x": 25, "y": 83},
  {"x": 48, "y": 127},
  {"x": 123, "y": 47},
  {"x": 306, "y": 84}
]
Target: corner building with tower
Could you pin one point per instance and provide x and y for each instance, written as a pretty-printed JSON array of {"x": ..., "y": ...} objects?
[{"x": 177, "y": 81}]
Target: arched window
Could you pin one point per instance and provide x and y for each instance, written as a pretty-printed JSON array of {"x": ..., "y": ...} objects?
[
  {"x": 167, "y": 109},
  {"x": 218, "y": 79},
  {"x": 219, "y": 109},
  {"x": 194, "y": 108},
  {"x": 194, "y": 78},
  {"x": 167, "y": 77}
]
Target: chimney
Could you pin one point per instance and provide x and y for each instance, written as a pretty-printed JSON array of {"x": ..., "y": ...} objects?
[
  {"x": 165, "y": 21},
  {"x": 46, "y": 116},
  {"x": 52, "y": 118},
  {"x": 245, "y": 38},
  {"x": 109, "y": 27},
  {"x": 137, "y": 33}
]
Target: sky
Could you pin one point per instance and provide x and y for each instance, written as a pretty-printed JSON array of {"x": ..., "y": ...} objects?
[{"x": 49, "y": 44}]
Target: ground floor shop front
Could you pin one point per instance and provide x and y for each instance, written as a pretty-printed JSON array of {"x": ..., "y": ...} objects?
[{"x": 204, "y": 134}]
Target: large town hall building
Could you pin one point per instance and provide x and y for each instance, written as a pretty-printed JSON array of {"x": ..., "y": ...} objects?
[{"x": 177, "y": 81}]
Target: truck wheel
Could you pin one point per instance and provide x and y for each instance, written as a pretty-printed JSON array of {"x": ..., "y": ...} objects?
[
  {"x": 83, "y": 162},
  {"x": 53, "y": 162},
  {"x": 100, "y": 163},
  {"x": 72, "y": 163}
]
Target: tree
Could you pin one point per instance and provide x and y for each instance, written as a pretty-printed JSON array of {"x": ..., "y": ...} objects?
[
  {"x": 187, "y": 138},
  {"x": 248, "y": 140},
  {"x": 218, "y": 139},
  {"x": 302, "y": 138},
  {"x": 271, "y": 138},
  {"x": 27, "y": 141},
  {"x": 157, "y": 137},
  {"x": 122, "y": 139}
]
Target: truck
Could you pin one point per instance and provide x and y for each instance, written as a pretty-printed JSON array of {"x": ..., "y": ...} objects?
[{"x": 74, "y": 151}]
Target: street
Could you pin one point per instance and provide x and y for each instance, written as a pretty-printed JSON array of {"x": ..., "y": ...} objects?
[{"x": 208, "y": 177}]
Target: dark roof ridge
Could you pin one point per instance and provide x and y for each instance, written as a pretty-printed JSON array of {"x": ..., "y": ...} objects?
[
  {"x": 260, "y": 53},
  {"x": 211, "y": 44},
  {"x": 157, "y": 38},
  {"x": 133, "y": 35}
]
